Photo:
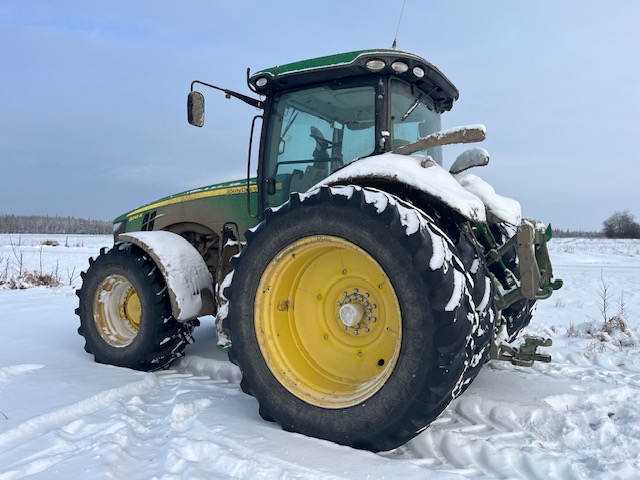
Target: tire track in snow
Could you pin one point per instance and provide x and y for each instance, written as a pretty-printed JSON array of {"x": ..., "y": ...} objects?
[
  {"x": 40, "y": 442},
  {"x": 557, "y": 421},
  {"x": 171, "y": 424},
  {"x": 127, "y": 427},
  {"x": 8, "y": 373},
  {"x": 506, "y": 449},
  {"x": 477, "y": 438}
]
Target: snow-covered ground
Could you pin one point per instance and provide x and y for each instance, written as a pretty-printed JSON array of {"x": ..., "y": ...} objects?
[{"x": 64, "y": 416}]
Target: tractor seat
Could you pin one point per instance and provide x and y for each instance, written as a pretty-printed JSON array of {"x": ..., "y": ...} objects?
[{"x": 301, "y": 182}]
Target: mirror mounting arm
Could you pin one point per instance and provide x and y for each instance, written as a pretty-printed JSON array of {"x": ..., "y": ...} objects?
[{"x": 230, "y": 93}]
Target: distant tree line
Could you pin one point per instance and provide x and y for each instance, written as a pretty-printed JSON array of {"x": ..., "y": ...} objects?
[
  {"x": 53, "y": 225},
  {"x": 557, "y": 233},
  {"x": 618, "y": 225}
]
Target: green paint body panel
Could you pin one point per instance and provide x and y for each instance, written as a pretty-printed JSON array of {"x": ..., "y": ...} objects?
[
  {"x": 203, "y": 210},
  {"x": 316, "y": 63},
  {"x": 341, "y": 66}
]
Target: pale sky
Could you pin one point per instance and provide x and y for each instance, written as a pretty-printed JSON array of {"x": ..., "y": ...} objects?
[{"x": 93, "y": 94}]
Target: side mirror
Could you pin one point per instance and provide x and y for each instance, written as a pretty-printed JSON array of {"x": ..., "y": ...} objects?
[
  {"x": 195, "y": 109},
  {"x": 474, "y": 157}
]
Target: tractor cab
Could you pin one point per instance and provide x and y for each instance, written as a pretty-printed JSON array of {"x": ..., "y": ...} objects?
[{"x": 324, "y": 113}]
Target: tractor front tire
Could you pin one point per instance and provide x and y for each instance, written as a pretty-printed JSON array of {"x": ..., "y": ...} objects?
[
  {"x": 125, "y": 313},
  {"x": 353, "y": 319}
]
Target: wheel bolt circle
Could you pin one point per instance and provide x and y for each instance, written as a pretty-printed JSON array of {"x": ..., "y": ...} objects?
[{"x": 354, "y": 311}]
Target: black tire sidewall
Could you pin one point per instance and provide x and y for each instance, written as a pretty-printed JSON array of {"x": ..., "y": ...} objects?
[{"x": 136, "y": 270}]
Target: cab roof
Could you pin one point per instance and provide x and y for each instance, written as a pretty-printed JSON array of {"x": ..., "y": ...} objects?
[{"x": 409, "y": 66}]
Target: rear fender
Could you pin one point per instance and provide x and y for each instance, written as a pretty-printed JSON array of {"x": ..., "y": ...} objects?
[
  {"x": 419, "y": 173},
  {"x": 188, "y": 279},
  {"x": 499, "y": 208}
]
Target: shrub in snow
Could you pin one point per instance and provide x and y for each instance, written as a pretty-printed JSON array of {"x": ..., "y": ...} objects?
[{"x": 621, "y": 225}]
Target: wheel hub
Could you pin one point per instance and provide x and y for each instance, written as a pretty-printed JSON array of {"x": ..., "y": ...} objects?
[
  {"x": 351, "y": 314},
  {"x": 117, "y": 311},
  {"x": 356, "y": 312}
]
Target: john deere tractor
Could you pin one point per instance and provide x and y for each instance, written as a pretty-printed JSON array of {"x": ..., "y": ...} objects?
[{"x": 358, "y": 285}]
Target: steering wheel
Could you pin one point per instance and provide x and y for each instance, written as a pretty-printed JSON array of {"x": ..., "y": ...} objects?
[{"x": 317, "y": 135}]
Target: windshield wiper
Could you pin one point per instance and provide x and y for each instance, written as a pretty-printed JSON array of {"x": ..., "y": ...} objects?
[
  {"x": 410, "y": 110},
  {"x": 291, "y": 120}
]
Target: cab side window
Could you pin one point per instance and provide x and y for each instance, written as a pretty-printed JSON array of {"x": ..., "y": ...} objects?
[{"x": 314, "y": 132}]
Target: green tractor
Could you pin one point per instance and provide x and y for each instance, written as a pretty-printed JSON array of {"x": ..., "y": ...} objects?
[{"x": 357, "y": 284}]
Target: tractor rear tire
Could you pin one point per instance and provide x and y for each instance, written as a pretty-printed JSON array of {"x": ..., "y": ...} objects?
[
  {"x": 353, "y": 318},
  {"x": 125, "y": 313}
]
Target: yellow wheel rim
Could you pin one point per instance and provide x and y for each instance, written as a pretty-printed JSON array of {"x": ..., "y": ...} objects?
[
  {"x": 328, "y": 322},
  {"x": 117, "y": 311}
]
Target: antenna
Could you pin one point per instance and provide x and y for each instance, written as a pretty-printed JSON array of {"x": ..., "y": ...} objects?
[{"x": 395, "y": 38}]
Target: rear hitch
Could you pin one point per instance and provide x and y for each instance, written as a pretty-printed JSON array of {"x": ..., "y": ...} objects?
[
  {"x": 536, "y": 274},
  {"x": 525, "y": 355}
]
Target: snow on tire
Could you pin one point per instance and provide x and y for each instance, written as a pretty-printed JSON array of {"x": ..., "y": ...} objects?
[
  {"x": 353, "y": 317},
  {"x": 125, "y": 313},
  {"x": 482, "y": 291}
]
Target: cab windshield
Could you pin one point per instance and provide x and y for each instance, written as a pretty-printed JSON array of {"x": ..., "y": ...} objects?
[
  {"x": 313, "y": 132},
  {"x": 413, "y": 116}
]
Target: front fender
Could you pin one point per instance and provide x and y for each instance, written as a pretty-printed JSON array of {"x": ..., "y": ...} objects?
[{"x": 188, "y": 279}]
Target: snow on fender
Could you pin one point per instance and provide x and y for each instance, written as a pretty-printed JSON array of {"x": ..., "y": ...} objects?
[
  {"x": 430, "y": 178},
  {"x": 504, "y": 208},
  {"x": 188, "y": 279}
]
